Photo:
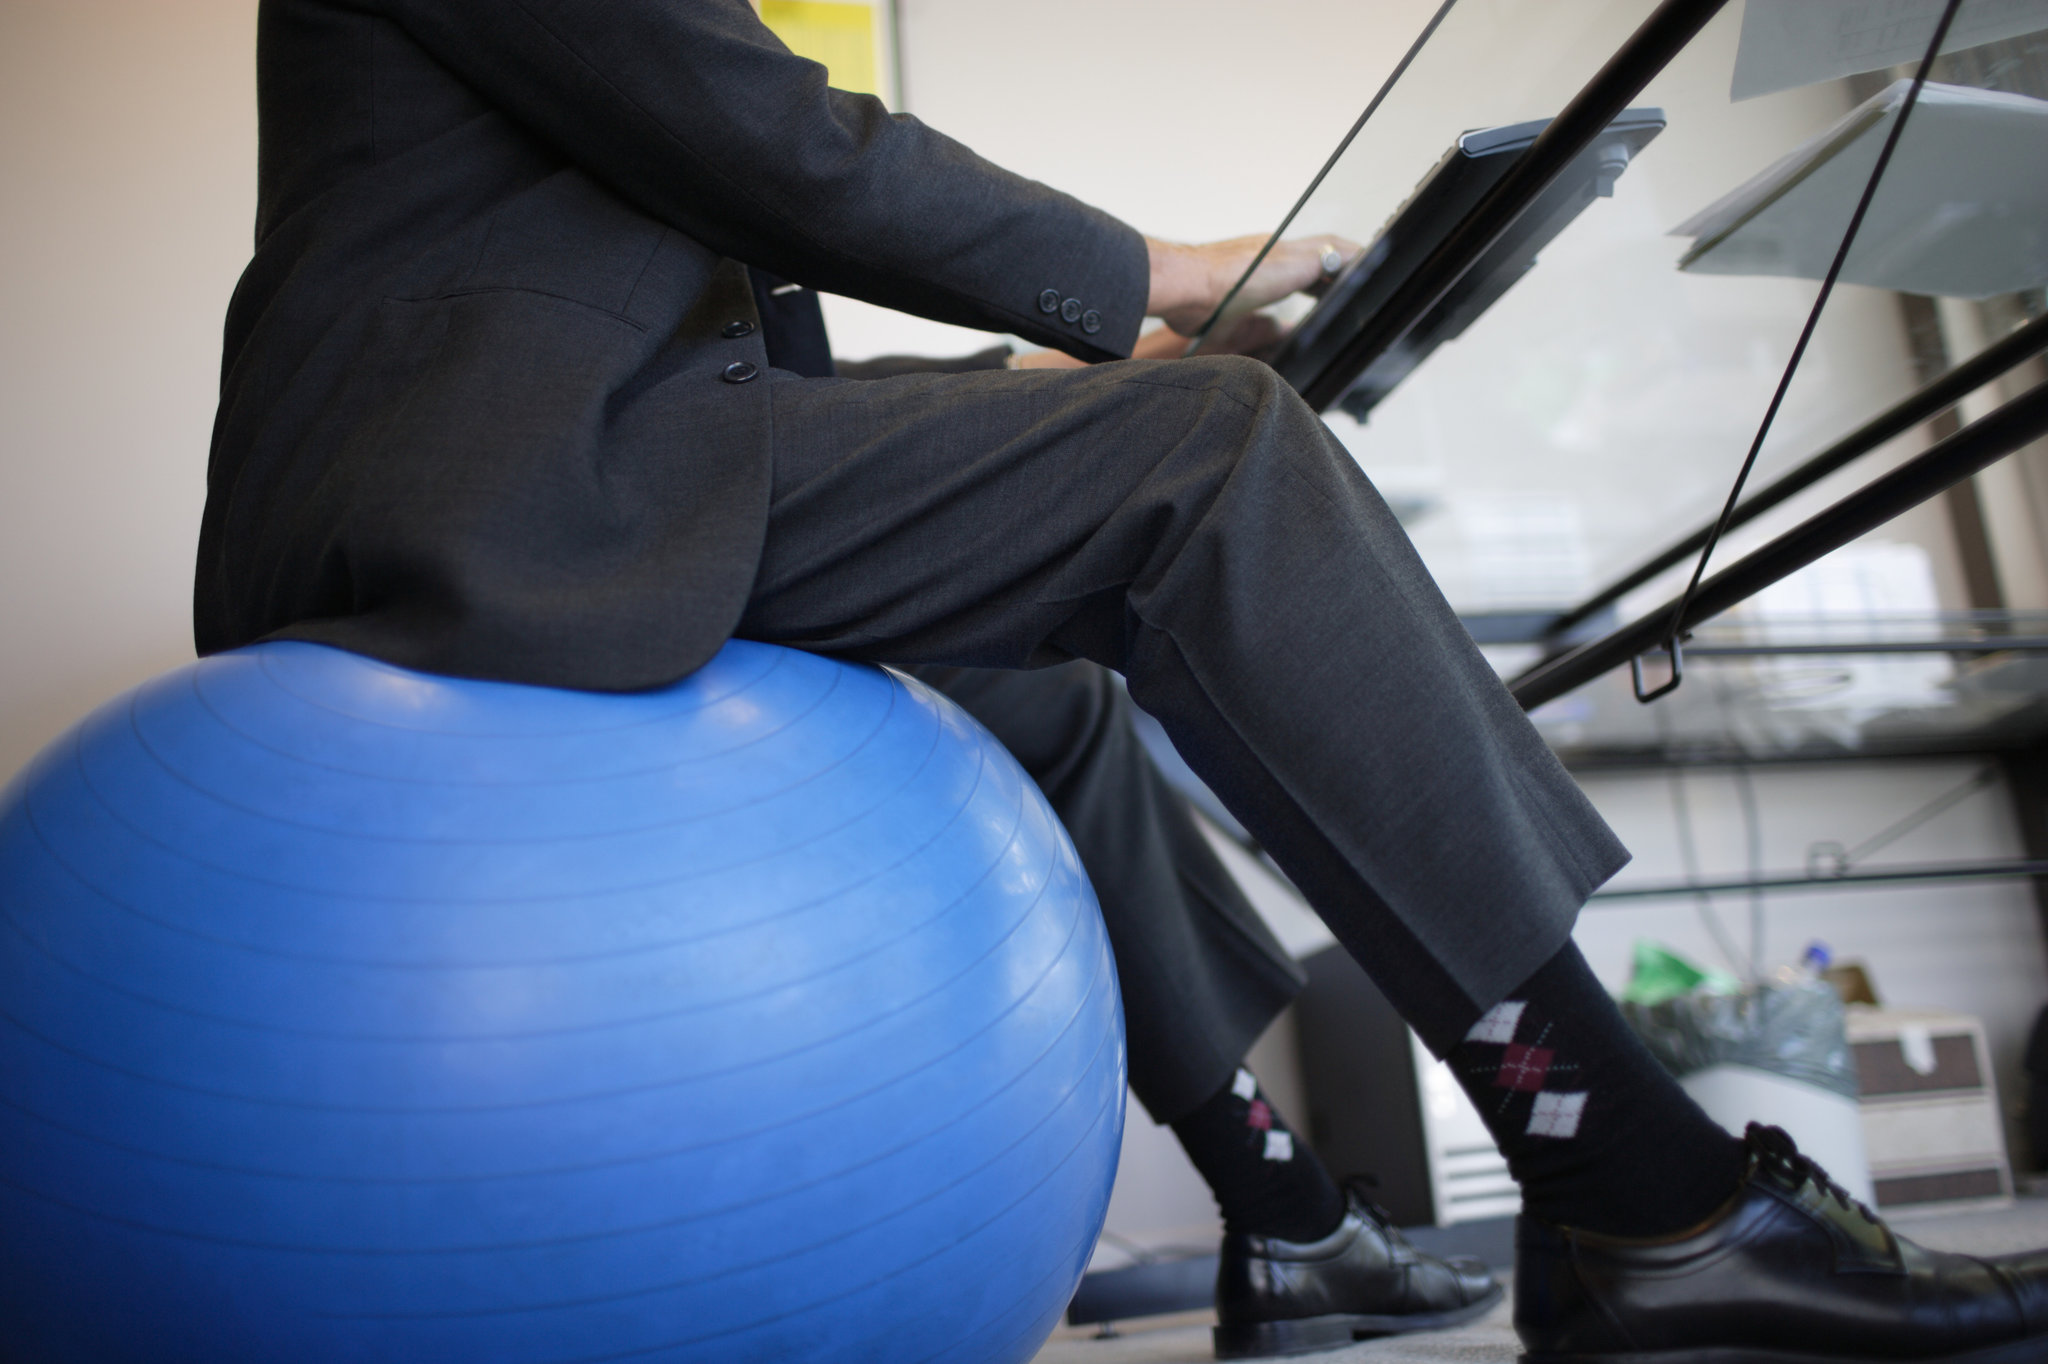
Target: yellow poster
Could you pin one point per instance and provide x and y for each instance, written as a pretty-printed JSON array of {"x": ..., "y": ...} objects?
[{"x": 844, "y": 37}]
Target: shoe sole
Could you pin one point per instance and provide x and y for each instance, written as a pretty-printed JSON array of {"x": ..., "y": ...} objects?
[
  {"x": 2033, "y": 1350},
  {"x": 1271, "y": 1339}
]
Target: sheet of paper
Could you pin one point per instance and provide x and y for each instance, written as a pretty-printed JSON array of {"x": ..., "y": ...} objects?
[
  {"x": 1786, "y": 43},
  {"x": 1962, "y": 211},
  {"x": 845, "y": 38}
]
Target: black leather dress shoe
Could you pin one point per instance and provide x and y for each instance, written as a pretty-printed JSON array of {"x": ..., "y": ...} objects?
[
  {"x": 1277, "y": 1297},
  {"x": 1791, "y": 1271}
]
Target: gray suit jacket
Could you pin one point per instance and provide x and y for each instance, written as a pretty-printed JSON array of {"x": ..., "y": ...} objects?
[{"x": 492, "y": 401}]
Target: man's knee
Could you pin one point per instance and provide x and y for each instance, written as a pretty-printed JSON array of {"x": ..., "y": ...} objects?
[
  {"x": 1253, "y": 383},
  {"x": 1254, "y": 394}
]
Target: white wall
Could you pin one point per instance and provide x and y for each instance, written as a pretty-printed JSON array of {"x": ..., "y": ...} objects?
[{"x": 128, "y": 153}]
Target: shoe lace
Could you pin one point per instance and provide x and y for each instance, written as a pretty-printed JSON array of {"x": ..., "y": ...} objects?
[
  {"x": 1358, "y": 1190},
  {"x": 1774, "y": 1151}
]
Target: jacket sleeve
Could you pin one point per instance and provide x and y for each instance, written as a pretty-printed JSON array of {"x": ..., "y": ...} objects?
[{"x": 694, "y": 111}]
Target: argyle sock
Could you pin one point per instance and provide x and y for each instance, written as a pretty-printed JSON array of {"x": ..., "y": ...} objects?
[
  {"x": 1596, "y": 1131},
  {"x": 1267, "y": 1181}
]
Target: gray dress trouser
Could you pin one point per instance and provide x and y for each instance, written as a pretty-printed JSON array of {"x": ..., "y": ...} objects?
[
  {"x": 1202, "y": 975},
  {"x": 1193, "y": 525}
]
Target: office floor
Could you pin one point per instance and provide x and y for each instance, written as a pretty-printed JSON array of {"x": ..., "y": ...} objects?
[{"x": 1185, "y": 1339}]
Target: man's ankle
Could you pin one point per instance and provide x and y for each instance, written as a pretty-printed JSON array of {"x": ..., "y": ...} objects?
[
  {"x": 1265, "y": 1178},
  {"x": 1596, "y": 1131}
]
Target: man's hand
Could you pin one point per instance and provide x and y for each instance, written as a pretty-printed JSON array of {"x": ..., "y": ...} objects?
[{"x": 1189, "y": 281}]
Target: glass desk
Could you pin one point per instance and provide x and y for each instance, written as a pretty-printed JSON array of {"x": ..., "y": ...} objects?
[{"x": 1549, "y": 419}]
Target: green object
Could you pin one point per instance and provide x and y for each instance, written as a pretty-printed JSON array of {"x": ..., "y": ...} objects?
[
  {"x": 1693, "y": 1019},
  {"x": 1660, "y": 975}
]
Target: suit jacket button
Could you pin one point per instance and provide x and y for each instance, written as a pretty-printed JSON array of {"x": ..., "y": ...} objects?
[
  {"x": 740, "y": 371},
  {"x": 1091, "y": 322},
  {"x": 735, "y": 330},
  {"x": 1071, "y": 310},
  {"x": 1049, "y": 301}
]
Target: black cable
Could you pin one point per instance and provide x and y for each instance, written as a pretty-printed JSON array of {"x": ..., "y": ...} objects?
[
  {"x": 1672, "y": 638},
  {"x": 1939, "y": 871}
]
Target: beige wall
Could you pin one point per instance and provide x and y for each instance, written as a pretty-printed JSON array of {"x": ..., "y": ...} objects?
[{"x": 128, "y": 157}]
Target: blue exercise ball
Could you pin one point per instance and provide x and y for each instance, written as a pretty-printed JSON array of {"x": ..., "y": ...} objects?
[{"x": 353, "y": 1014}]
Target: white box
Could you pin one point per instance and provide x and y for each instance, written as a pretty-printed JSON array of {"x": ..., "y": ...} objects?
[{"x": 1929, "y": 1109}]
